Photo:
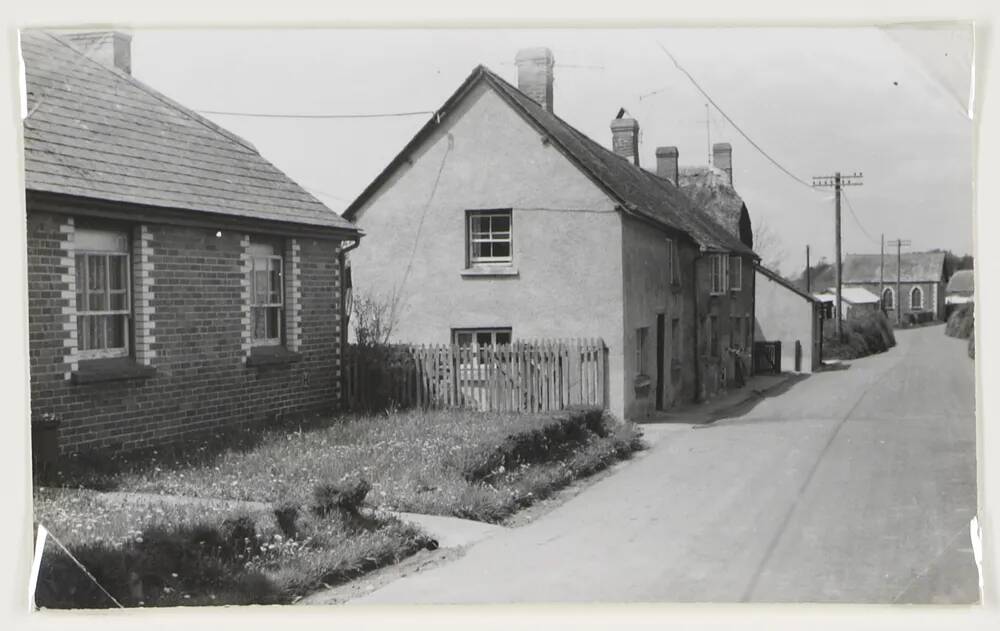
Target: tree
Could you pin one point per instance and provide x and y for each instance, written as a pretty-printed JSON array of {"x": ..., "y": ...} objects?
[
  {"x": 373, "y": 319},
  {"x": 768, "y": 246}
]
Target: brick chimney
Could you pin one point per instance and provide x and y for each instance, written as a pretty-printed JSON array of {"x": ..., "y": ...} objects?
[
  {"x": 111, "y": 48},
  {"x": 534, "y": 74},
  {"x": 666, "y": 164},
  {"x": 625, "y": 137},
  {"x": 722, "y": 158}
]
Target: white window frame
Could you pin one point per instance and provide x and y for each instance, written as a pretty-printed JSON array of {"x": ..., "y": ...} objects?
[
  {"x": 914, "y": 291},
  {"x": 479, "y": 350},
  {"x": 892, "y": 298},
  {"x": 83, "y": 293},
  {"x": 489, "y": 236},
  {"x": 719, "y": 274},
  {"x": 271, "y": 262},
  {"x": 673, "y": 263},
  {"x": 736, "y": 279}
]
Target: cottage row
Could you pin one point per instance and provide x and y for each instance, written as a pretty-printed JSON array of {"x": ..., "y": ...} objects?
[{"x": 180, "y": 283}]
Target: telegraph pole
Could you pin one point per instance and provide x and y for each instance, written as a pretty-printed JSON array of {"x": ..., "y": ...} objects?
[
  {"x": 837, "y": 181},
  {"x": 881, "y": 275},
  {"x": 808, "y": 273},
  {"x": 898, "y": 303}
]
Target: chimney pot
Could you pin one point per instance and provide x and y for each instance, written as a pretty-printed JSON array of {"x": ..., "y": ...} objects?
[
  {"x": 111, "y": 48},
  {"x": 625, "y": 138},
  {"x": 534, "y": 74},
  {"x": 666, "y": 164},
  {"x": 722, "y": 158}
]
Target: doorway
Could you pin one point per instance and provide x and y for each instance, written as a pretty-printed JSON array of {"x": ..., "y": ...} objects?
[{"x": 661, "y": 321}]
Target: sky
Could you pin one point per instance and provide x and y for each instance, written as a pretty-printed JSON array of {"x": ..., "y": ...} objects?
[{"x": 817, "y": 100}]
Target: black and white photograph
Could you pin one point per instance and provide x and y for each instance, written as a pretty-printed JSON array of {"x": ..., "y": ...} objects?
[{"x": 371, "y": 316}]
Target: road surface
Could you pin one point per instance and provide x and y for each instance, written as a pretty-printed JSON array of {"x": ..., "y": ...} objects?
[{"x": 854, "y": 485}]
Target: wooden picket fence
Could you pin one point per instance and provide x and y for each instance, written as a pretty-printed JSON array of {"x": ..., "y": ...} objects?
[{"x": 536, "y": 376}]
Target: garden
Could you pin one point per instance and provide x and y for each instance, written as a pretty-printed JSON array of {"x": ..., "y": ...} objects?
[{"x": 262, "y": 516}]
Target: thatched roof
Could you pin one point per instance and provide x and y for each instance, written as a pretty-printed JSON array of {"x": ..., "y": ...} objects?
[{"x": 709, "y": 189}]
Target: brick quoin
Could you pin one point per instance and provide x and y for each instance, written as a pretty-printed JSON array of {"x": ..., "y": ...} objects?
[{"x": 195, "y": 339}]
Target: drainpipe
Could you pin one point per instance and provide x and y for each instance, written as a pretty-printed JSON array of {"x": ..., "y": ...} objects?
[
  {"x": 697, "y": 320},
  {"x": 345, "y": 317}
]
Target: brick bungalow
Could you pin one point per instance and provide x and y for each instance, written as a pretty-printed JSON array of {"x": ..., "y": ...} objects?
[
  {"x": 178, "y": 282},
  {"x": 500, "y": 221}
]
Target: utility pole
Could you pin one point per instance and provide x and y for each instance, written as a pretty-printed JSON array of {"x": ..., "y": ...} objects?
[
  {"x": 881, "y": 275},
  {"x": 808, "y": 273},
  {"x": 837, "y": 181},
  {"x": 898, "y": 303},
  {"x": 708, "y": 134}
]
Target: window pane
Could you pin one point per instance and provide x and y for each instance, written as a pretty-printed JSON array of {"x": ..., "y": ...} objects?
[
  {"x": 463, "y": 338},
  {"x": 257, "y": 320},
  {"x": 82, "y": 338},
  {"x": 116, "y": 331},
  {"x": 503, "y": 338},
  {"x": 501, "y": 223},
  {"x": 484, "y": 338},
  {"x": 97, "y": 301},
  {"x": 118, "y": 301},
  {"x": 81, "y": 280},
  {"x": 274, "y": 287},
  {"x": 96, "y": 272},
  {"x": 100, "y": 240},
  {"x": 260, "y": 284},
  {"x": 273, "y": 323},
  {"x": 501, "y": 250},
  {"x": 118, "y": 275},
  {"x": 95, "y": 332},
  {"x": 478, "y": 225}
]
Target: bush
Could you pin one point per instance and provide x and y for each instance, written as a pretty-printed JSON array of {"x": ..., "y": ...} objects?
[
  {"x": 961, "y": 322},
  {"x": 863, "y": 334}
]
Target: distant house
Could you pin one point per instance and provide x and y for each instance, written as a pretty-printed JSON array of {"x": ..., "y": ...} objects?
[
  {"x": 788, "y": 315},
  {"x": 500, "y": 221},
  {"x": 856, "y": 300},
  {"x": 178, "y": 283},
  {"x": 921, "y": 286},
  {"x": 961, "y": 289}
]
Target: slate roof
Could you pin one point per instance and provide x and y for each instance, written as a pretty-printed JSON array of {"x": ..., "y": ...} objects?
[
  {"x": 962, "y": 281},
  {"x": 784, "y": 282},
  {"x": 637, "y": 191},
  {"x": 917, "y": 267},
  {"x": 94, "y": 131},
  {"x": 852, "y": 295}
]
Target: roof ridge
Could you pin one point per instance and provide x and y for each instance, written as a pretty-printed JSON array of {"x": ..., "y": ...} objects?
[{"x": 121, "y": 74}]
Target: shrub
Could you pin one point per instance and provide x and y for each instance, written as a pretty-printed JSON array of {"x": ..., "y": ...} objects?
[
  {"x": 187, "y": 565},
  {"x": 863, "y": 334},
  {"x": 346, "y": 495},
  {"x": 961, "y": 322}
]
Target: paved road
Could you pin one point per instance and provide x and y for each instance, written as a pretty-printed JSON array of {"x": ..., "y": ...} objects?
[{"x": 852, "y": 486}]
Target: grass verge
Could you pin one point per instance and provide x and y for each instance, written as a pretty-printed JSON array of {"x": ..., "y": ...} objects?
[{"x": 482, "y": 466}]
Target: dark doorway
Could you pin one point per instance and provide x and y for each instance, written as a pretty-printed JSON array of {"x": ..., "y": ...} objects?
[{"x": 660, "y": 378}]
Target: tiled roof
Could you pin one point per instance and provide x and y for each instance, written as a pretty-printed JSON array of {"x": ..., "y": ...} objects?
[
  {"x": 638, "y": 191},
  {"x": 94, "y": 131},
  {"x": 962, "y": 281},
  {"x": 916, "y": 267}
]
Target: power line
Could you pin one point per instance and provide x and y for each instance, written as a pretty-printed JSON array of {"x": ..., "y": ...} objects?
[
  {"x": 730, "y": 120},
  {"x": 315, "y": 116},
  {"x": 850, "y": 208}
]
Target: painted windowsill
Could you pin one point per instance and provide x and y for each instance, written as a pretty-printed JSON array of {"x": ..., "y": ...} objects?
[
  {"x": 479, "y": 271},
  {"x": 272, "y": 356},
  {"x": 110, "y": 369}
]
